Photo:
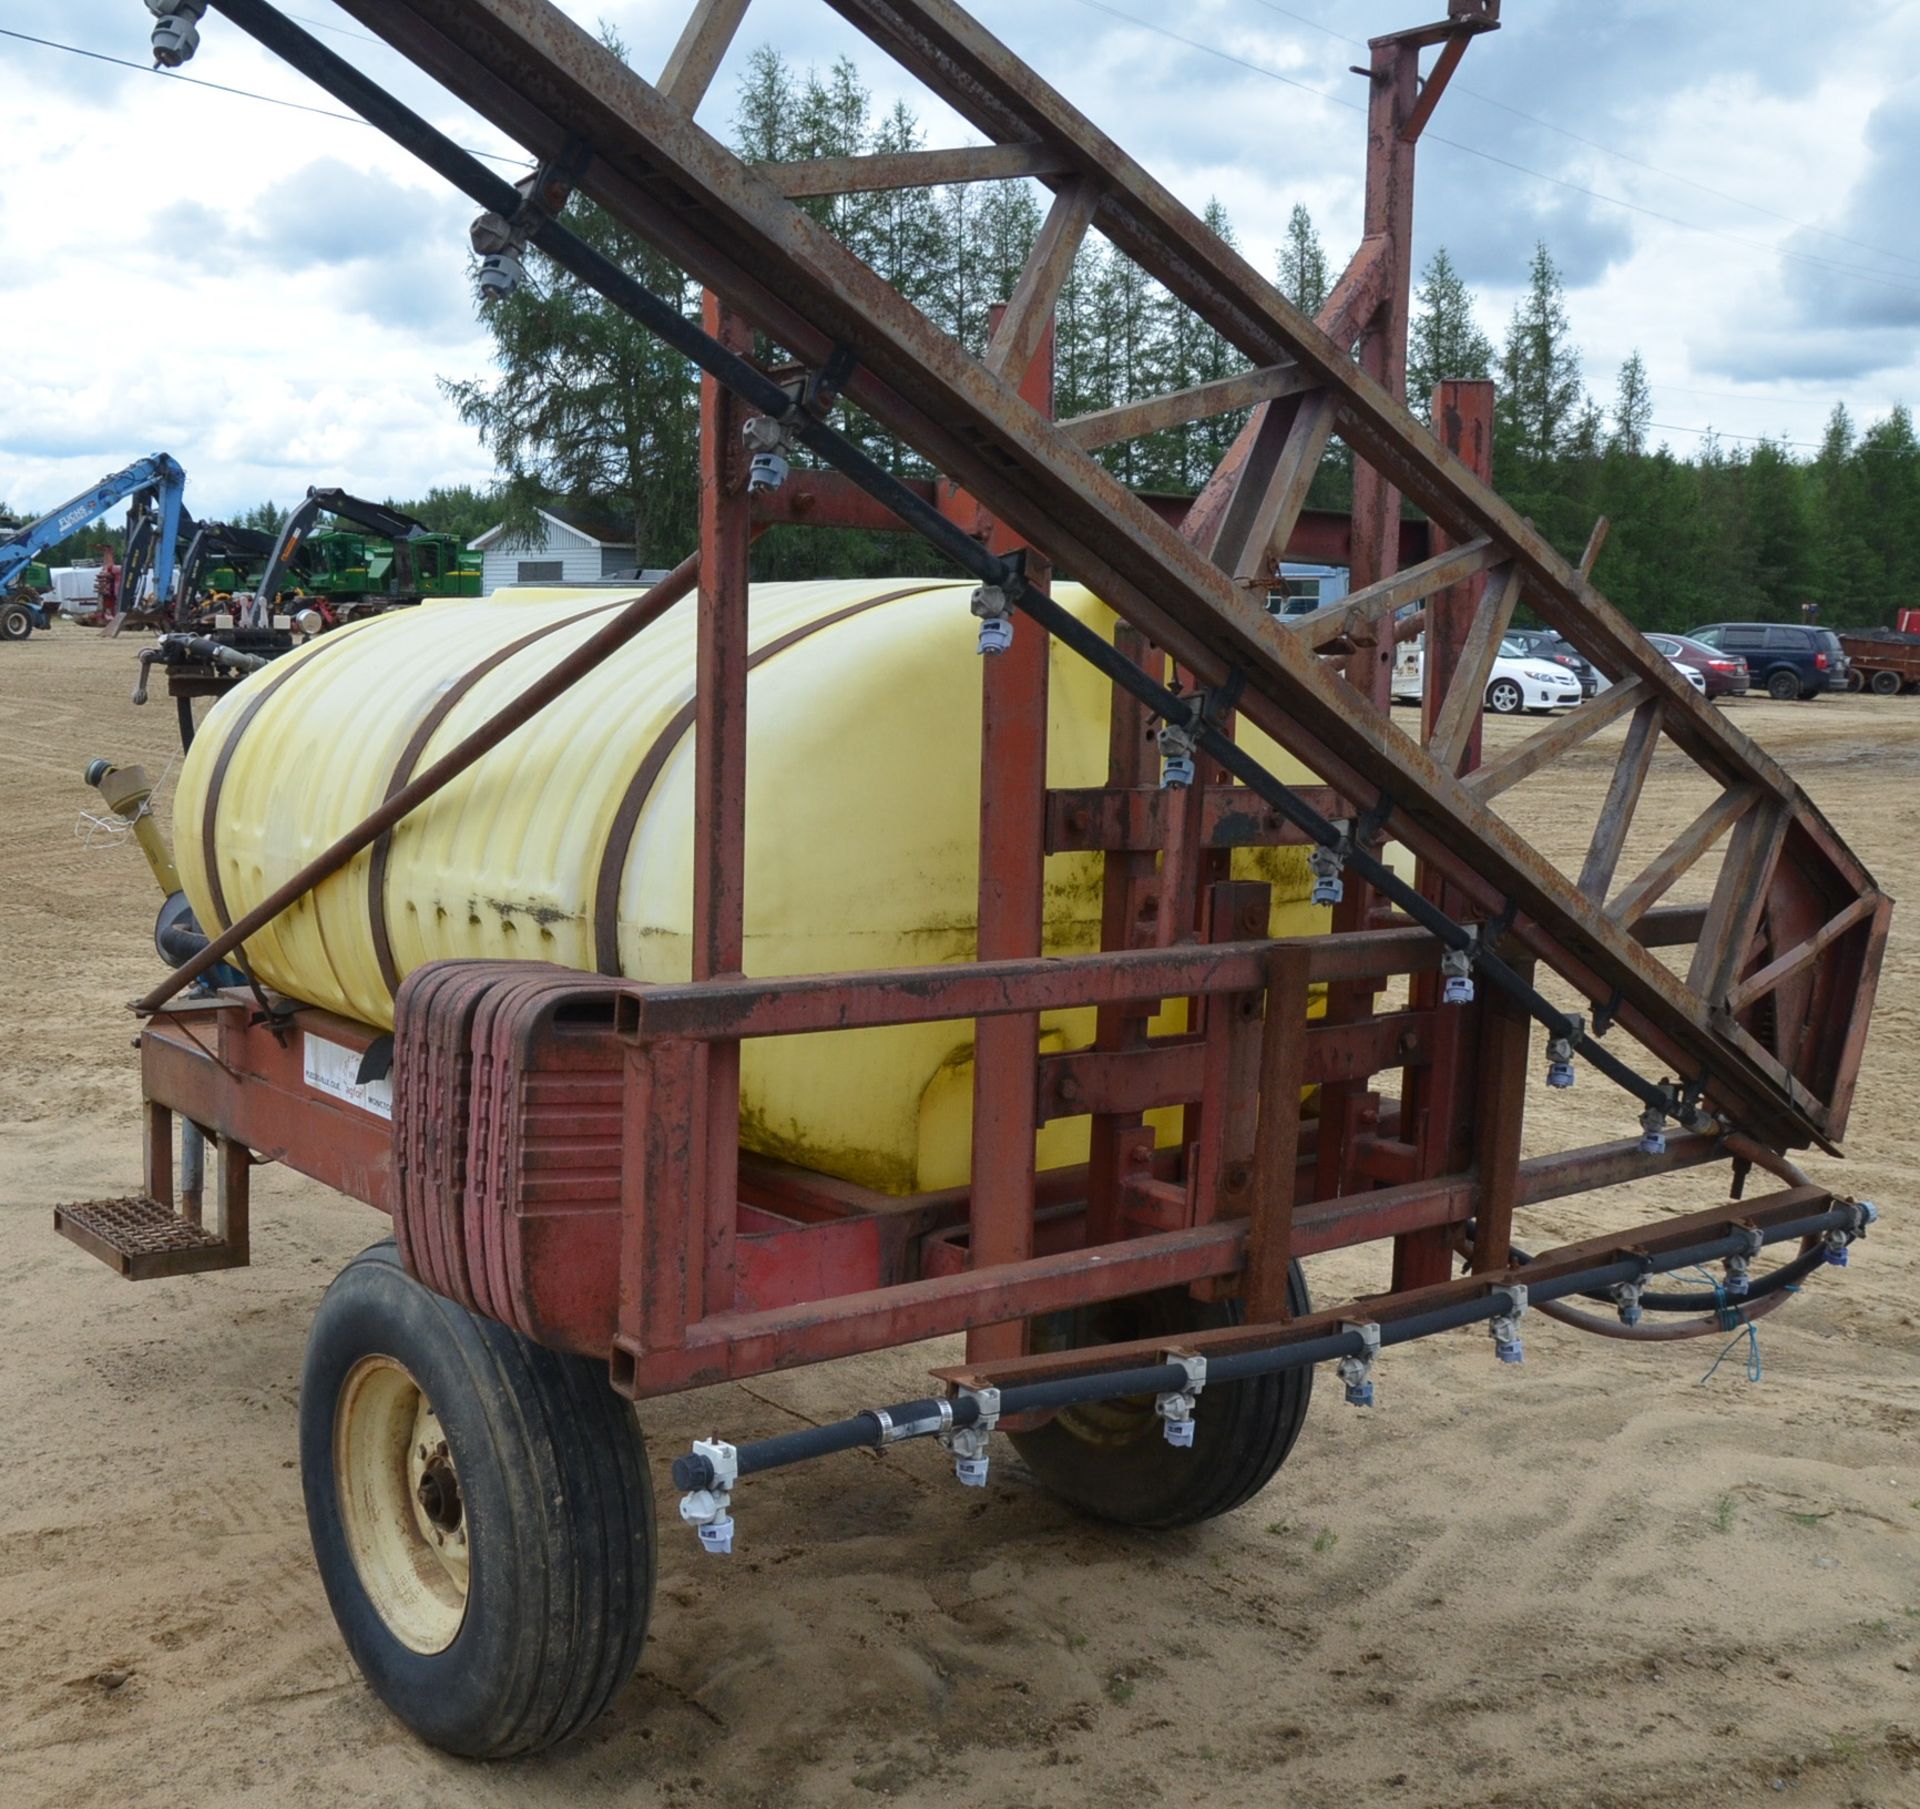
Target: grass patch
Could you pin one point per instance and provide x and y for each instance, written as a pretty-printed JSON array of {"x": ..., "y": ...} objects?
[
  {"x": 1325, "y": 1539},
  {"x": 1723, "y": 1515}
]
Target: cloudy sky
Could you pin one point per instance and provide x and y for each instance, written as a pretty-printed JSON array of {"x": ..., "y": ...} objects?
[{"x": 270, "y": 294}]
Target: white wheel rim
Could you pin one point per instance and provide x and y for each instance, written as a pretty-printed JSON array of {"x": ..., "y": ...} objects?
[{"x": 401, "y": 1509}]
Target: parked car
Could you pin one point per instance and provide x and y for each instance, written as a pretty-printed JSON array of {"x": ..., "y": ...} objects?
[
  {"x": 1518, "y": 681},
  {"x": 1726, "y": 674},
  {"x": 1549, "y": 644},
  {"x": 1692, "y": 674},
  {"x": 1790, "y": 660}
]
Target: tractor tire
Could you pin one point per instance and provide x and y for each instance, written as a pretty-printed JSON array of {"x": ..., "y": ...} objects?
[
  {"x": 16, "y": 622},
  {"x": 1783, "y": 687},
  {"x": 1885, "y": 684},
  {"x": 480, "y": 1512},
  {"x": 1505, "y": 698},
  {"x": 1111, "y": 1460}
]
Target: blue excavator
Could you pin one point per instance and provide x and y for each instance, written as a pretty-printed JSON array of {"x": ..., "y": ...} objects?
[{"x": 155, "y": 484}]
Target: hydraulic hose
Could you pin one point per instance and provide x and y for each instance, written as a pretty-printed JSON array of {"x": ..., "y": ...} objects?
[
  {"x": 1767, "y": 1295},
  {"x": 1707, "y": 1300},
  {"x": 927, "y": 1416}
]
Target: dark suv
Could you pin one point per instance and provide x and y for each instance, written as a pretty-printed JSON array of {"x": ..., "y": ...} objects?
[{"x": 1789, "y": 660}]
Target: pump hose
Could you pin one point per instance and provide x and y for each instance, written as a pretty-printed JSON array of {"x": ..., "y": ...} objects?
[{"x": 1763, "y": 1297}]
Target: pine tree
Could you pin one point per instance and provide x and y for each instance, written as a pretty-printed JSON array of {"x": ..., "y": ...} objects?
[
  {"x": 1837, "y": 441},
  {"x": 1539, "y": 398},
  {"x": 586, "y": 402},
  {"x": 1077, "y": 355},
  {"x": 1197, "y": 354},
  {"x": 1445, "y": 340},
  {"x": 1889, "y": 465},
  {"x": 763, "y": 113},
  {"x": 1130, "y": 311},
  {"x": 1632, "y": 406},
  {"x": 1001, "y": 228},
  {"x": 454, "y": 509},
  {"x": 1302, "y": 272}
]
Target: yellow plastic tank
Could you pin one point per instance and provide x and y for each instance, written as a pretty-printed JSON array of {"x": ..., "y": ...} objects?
[{"x": 862, "y": 828}]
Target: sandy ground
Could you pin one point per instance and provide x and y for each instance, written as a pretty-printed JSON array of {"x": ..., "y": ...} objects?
[{"x": 1589, "y": 1581}]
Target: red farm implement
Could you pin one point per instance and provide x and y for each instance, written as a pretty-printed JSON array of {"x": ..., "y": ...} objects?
[{"x": 561, "y": 1151}]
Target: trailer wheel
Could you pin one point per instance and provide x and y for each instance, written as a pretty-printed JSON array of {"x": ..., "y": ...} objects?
[
  {"x": 16, "y": 622},
  {"x": 1885, "y": 684},
  {"x": 1856, "y": 680},
  {"x": 1110, "y": 1459},
  {"x": 480, "y": 1512}
]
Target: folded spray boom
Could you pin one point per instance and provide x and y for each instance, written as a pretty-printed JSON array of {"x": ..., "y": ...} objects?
[{"x": 964, "y": 1419}]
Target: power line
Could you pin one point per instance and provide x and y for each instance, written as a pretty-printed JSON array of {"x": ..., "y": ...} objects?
[
  {"x": 194, "y": 81},
  {"x": 1719, "y": 433},
  {"x": 1729, "y": 395},
  {"x": 1213, "y": 50},
  {"x": 1653, "y": 213},
  {"x": 1612, "y": 150},
  {"x": 1705, "y": 188},
  {"x": 340, "y": 30}
]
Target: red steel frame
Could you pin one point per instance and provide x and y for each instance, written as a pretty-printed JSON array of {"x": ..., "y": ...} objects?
[{"x": 729, "y": 1265}]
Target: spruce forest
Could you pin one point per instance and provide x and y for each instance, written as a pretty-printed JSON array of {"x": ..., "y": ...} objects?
[{"x": 584, "y": 404}]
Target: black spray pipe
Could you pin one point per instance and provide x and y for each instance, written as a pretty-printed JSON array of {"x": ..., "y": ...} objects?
[
  {"x": 1698, "y": 1300},
  {"x": 921, "y": 1418},
  {"x": 1707, "y": 1300},
  {"x": 466, "y": 173}
]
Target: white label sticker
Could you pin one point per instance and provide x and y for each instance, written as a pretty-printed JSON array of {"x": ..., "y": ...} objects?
[{"x": 332, "y": 1069}]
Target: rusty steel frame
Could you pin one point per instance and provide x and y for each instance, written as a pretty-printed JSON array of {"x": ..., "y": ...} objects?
[
  {"x": 1254, "y": 1184},
  {"x": 546, "y": 82}
]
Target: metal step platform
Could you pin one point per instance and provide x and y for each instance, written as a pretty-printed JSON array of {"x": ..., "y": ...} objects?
[{"x": 141, "y": 1239}]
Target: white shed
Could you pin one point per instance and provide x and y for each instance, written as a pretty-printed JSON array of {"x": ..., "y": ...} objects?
[{"x": 577, "y": 548}]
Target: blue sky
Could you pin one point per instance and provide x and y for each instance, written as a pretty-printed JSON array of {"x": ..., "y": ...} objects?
[{"x": 271, "y": 295}]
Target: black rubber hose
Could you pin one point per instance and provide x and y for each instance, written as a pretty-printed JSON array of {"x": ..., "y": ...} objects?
[
  {"x": 1700, "y": 1300},
  {"x": 1706, "y": 1301},
  {"x": 1703, "y": 1300},
  {"x": 180, "y": 942}
]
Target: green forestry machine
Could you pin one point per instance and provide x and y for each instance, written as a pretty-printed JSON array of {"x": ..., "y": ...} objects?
[{"x": 345, "y": 573}]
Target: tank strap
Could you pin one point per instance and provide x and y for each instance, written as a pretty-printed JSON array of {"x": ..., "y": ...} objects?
[
  {"x": 626, "y": 821},
  {"x": 217, "y": 780},
  {"x": 379, "y": 920}
]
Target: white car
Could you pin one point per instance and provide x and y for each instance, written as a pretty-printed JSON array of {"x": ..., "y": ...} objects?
[
  {"x": 1519, "y": 681},
  {"x": 1692, "y": 674}
]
